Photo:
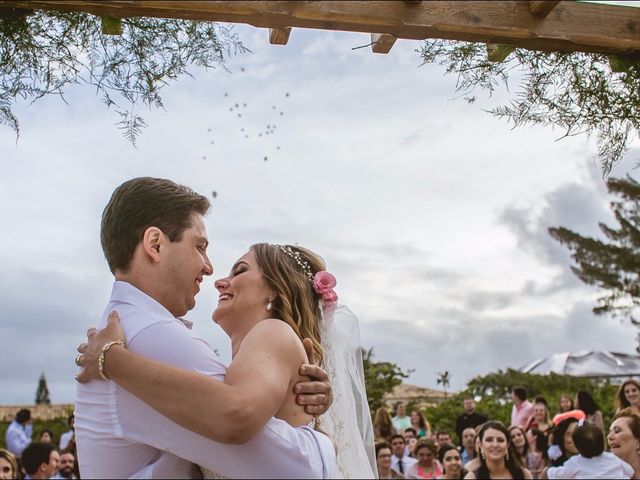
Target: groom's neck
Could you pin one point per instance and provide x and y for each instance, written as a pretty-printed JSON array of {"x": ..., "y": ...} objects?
[{"x": 146, "y": 284}]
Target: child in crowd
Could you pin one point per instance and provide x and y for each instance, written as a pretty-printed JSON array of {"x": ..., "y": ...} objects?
[{"x": 593, "y": 461}]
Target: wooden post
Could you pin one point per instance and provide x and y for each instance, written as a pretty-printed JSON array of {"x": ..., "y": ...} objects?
[
  {"x": 382, "y": 42},
  {"x": 542, "y": 8},
  {"x": 279, "y": 36}
]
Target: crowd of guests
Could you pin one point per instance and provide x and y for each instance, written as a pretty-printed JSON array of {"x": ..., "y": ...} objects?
[
  {"x": 39, "y": 459},
  {"x": 573, "y": 443}
]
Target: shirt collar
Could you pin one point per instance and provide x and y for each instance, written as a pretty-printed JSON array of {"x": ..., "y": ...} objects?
[{"x": 124, "y": 292}]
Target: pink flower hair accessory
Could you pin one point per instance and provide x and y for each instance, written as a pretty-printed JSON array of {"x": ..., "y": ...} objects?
[{"x": 323, "y": 284}]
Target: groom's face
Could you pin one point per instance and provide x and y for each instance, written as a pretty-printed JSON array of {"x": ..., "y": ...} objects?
[{"x": 185, "y": 264}]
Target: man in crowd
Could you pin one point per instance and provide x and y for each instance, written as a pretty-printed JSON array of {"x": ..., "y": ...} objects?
[
  {"x": 383, "y": 460},
  {"x": 442, "y": 437},
  {"x": 522, "y": 408},
  {"x": 400, "y": 461},
  {"x": 411, "y": 438},
  {"x": 468, "y": 452},
  {"x": 469, "y": 418},
  {"x": 40, "y": 460},
  {"x": 19, "y": 432},
  {"x": 67, "y": 463},
  {"x": 401, "y": 421}
]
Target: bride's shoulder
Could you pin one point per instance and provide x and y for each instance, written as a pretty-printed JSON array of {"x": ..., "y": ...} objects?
[{"x": 275, "y": 332}]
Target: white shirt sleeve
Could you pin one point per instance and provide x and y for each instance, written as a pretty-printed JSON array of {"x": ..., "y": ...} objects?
[{"x": 278, "y": 450}]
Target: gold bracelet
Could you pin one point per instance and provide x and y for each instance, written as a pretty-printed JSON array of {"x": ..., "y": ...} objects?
[{"x": 104, "y": 350}]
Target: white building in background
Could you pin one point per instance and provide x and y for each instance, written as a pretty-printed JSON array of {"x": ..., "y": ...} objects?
[{"x": 615, "y": 366}]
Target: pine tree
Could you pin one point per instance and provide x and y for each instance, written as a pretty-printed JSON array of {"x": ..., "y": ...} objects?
[
  {"x": 42, "y": 393},
  {"x": 613, "y": 265}
]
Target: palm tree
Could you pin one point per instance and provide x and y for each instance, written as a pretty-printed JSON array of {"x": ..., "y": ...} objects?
[{"x": 443, "y": 378}]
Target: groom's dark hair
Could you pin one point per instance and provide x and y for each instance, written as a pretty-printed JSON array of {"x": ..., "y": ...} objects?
[{"x": 141, "y": 203}]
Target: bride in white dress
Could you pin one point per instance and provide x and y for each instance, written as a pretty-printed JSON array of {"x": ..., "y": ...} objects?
[{"x": 274, "y": 297}]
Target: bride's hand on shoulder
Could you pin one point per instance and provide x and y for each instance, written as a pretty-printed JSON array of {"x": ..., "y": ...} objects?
[
  {"x": 91, "y": 350},
  {"x": 316, "y": 395}
]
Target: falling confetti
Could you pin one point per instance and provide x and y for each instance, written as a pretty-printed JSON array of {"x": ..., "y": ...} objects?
[
  {"x": 214, "y": 194},
  {"x": 259, "y": 134},
  {"x": 274, "y": 107},
  {"x": 242, "y": 129},
  {"x": 237, "y": 105},
  {"x": 265, "y": 158},
  {"x": 204, "y": 157},
  {"x": 212, "y": 142},
  {"x": 244, "y": 105},
  {"x": 286, "y": 94},
  {"x": 226, "y": 94},
  {"x": 242, "y": 69},
  {"x": 209, "y": 129},
  {"x": 239, "y": 114},
  {"x": 278, "y": 147},
  {"x": 281, "y": 113}
]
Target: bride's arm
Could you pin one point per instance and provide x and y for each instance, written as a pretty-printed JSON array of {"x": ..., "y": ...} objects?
[{"x": 232, "y": 412}]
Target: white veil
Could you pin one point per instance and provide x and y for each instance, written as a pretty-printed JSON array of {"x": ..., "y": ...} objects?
[{"x": 348, "y": 421}]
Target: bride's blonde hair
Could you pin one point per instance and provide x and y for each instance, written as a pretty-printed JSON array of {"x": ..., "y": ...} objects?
[{"x": 296, "y": 301}]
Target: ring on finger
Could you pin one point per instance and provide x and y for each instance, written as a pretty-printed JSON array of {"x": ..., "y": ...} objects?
[
  {"x": 78, "y": 357},
  {"x": 82, "y": 347}
]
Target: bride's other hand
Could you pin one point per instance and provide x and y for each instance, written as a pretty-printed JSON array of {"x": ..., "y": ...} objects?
[
  {"x": 316, "y": 395},
  {"x": 90, "y": 351}
]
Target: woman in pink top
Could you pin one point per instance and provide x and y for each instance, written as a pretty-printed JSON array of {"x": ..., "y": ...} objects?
[{"x": 427, "y": 466}]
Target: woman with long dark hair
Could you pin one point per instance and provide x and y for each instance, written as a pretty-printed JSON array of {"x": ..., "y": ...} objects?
[
  {"x": 420, "y": 424},
  {"x": 497, "y": 457},
  {"x": 382, "y": 427},
  {"x": 519, "y": 443},
  {"x": 586, "y": 403},
  {"x": 451, "y": 462}
]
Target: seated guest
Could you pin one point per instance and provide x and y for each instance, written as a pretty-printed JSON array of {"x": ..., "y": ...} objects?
[
  {"x": 46, "y": 436},
  {"x": 411, "y": 438},
  {"x": 519, "y": 443},
  {"x": 451, "y": 462},
  {"x": 383, "y": 459},
  {"x": 592, "y": 461},
  {"x": 8, "y": 465},
  {"x": 420, "y": 424},
  {"x": 40, "y": 460},
  {"x": 400, "y": 421},
  {"x": 497, "y": 459},
  {"x": 628, "y": 396},
  {"x": 442, "y": 437},
  {"x": 66, "y": 437},
  {"x": 624, "y": 438},
  {"x": 468, "y": 452},
  {"x": 565, "y": 403},
  {"x": 427, "y": 465},
  {"x": 67, "y": 466},
  {"x": 540, "y": 417},
  {"x": 586, "y": 403},
  {"x": 400, "y": 461},
  {"x": 536, "y": 459}
]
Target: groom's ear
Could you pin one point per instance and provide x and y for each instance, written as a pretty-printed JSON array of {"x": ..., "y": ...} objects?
[{"x": 151, "y": 241}]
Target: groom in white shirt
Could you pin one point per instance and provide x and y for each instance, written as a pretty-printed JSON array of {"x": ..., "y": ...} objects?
[{"x": 155, "y": 242}]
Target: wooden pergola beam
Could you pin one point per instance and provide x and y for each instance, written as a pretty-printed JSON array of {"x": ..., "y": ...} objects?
[
  {"x": 574, "y": 26},
  {"x": 542, "y": 8}
]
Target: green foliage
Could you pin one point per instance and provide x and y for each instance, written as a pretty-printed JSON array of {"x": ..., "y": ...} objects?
[
  {"x": 612, "y": 266},
  {"x": 494, "y": 394},
  {"x": 380, "y": 378},
  {"x": 578, "y": 92},
  {"x": 42, "y": 52}
]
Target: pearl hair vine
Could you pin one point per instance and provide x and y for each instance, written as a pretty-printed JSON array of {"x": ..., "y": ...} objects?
[{"x": 304, "y": 265}]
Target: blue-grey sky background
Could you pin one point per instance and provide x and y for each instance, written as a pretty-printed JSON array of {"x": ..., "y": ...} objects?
[{"x": 431, "y": 213}]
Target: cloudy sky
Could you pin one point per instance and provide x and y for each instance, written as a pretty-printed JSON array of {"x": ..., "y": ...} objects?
[{"x": 431, "y": 213}]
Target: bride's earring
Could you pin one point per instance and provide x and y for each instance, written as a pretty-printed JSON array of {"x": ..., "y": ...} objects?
[{"x": 269, "y": 305}]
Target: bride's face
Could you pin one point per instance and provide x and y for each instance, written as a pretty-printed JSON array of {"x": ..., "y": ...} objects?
[{"x": 243, "y": 296}]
